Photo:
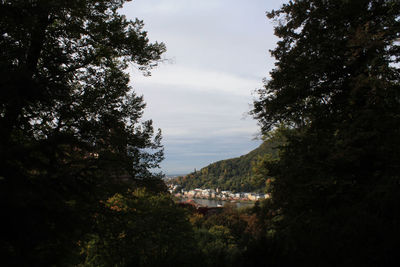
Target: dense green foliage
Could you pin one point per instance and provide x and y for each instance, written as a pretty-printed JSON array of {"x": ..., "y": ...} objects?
[
  {"x": 337, "y": 85},
  {"x": 233, "y": 237},
  {"x": 237, "y": 174}
]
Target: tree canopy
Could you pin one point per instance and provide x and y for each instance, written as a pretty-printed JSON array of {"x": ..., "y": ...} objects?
[
  {"x": 336, "y": 84},
  {"x": 71, "y": 129}
]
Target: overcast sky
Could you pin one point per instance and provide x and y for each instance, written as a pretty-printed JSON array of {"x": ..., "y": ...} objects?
[{"x": 217, "y": 53}]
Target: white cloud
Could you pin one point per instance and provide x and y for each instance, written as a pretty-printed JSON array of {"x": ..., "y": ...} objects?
[
  {"x": 199, "y": 79},
  {"x": 174, "y": 7}
]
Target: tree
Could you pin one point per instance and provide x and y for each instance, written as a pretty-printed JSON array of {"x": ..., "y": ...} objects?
[
  {"x": 71, "y": 133},
  {"x": 336, "y": 84},
  {"x": 140, "y": 229}
]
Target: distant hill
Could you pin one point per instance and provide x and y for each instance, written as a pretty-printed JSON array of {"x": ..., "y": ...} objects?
[{"x": 231, "y": 174}]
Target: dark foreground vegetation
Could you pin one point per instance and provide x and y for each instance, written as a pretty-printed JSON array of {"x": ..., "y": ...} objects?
[{"x": 75, "y": 158}]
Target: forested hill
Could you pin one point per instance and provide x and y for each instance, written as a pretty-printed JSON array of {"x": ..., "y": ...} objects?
[{"x": 236, "y": 174}]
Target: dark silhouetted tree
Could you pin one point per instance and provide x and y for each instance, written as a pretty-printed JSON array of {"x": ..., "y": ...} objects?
[
  {"x": 336, "y": 83},
  {"x": 70, "y": 129}
]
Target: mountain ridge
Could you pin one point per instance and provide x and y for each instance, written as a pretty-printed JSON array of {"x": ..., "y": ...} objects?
[{"x": 234, "y": 174}]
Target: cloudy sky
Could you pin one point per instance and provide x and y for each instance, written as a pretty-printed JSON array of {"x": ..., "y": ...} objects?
[{"x": 217, "y": 55}]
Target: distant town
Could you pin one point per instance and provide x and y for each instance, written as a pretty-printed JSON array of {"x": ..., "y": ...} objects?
[{"x": 215, "y": 194}]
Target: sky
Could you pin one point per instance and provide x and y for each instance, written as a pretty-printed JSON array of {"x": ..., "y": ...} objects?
[{"x": 200, "y": 96}]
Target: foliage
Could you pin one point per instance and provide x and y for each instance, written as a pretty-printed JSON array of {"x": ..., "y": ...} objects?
[
  {"x": 221, "y": 237},
  {"x": 140, "y": 229},
  {"x": 71, "y": 131},
  {"x": 336, "y": 84},
  {"x": 239, "y": 237}
]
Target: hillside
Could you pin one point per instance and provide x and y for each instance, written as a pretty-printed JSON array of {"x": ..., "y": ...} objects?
[{"x": 233, "y": 174}]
